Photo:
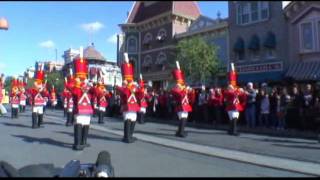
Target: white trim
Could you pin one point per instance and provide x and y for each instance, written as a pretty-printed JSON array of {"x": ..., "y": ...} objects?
[
  {"x": 159, "y": 49},
  {"x": 301, "y": 49},
  {"x": 303, "y": 12},
  {"x": 127, "y": 43},
  {"x": 135, "y": 2}
]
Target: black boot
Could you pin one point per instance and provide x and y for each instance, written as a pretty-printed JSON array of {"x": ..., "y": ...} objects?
[
  {"x": 16, "y": 111},
  {"x": 77, "y": 137},
  {"x": 235, "y": 129},
  {"x": 34, "y": 120},
  {"x": 139, "y": 118},
  {"x": 24, "y": 108},
  {"x": 126, "y": 131},
  {"x": 20, "y": 108},
  {"x": 85, "y": 132},
  {"x": 131, "y": 138},
  {"x": 184, "y": 123},
  {"x": 69, "y": 116},
  {"x": 101, "y": 114},
  {"x": 64, "y": 112},
  {"x": 12, "y": 113},
  {"x": 40, "y": 120},
  {"x": 178, "y": 133}
]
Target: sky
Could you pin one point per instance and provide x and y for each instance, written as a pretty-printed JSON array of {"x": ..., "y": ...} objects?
[{"x": 38, "y": 29}]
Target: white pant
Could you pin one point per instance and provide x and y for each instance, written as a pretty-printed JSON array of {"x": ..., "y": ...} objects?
[
  {"x": 102, "y": 109},
  {"x": 233, "y": 114},
  {"x": 23, "y": 103},
  {"x": 14, "y": 106},
  {"x": 37, "y": 109},
  {"x": 3, "y": 109},
  {"x": 183, "y": 115},
  {"x": 83, "y": 119},
  {"x": 131, "y": 115},
  {"x": 143, "y": 110}
]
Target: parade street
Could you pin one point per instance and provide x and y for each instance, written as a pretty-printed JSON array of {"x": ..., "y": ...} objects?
[{"x": 155, "y": 154}]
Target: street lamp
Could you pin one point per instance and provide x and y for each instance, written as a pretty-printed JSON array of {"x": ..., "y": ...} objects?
[{"x": 4, "y": 23}]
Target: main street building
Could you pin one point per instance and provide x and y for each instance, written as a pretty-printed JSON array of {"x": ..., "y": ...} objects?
[{"x": 148, "y": 37}]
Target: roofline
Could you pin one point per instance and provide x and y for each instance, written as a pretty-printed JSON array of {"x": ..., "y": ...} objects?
[
  {"x": 131, "y": 11},
  {"x": 288, "y": 5}
]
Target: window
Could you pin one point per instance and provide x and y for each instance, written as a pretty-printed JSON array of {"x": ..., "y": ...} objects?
[
  {"x": 240, "y": 55},
  {"x": 270, "y": 53},
  {"x": 307, "y": 36},
  {"x": 147, "y": 38},
  {"x": 252, "y": 12},
  {"x": 264, "y": 10},
  {"x": 147, "y": 62},
  {"x": 161, "y": 59},
  {"x": 132, "y": 44},
  {"x": 162, "y": 34}
]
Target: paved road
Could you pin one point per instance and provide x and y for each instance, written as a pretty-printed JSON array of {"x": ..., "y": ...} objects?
[{"x": 21, "y": 145}]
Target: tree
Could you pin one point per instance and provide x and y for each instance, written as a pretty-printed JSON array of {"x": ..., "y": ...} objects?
[
  {"x": 55, "y": 78},
  {"x": 198, "y": 59}
]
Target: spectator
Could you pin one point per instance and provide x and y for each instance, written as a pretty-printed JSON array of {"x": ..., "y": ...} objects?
[
  {"x": 282, "y": 102},
  {"x": 250, "y": 112},
  {"x": 294, "y": 109},
  {"x": 264, "y": 109},
  {"x": 308, "y": 102},
  {"x": 202, "y": 105},
  {"x": 273, "y": 108}
]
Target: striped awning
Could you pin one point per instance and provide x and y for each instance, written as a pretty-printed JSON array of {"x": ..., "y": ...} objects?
[{"x": 304, "y": 71}]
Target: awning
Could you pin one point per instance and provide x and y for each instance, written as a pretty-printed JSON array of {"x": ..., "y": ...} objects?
[
  {"x": 304, "y": 71},
  {"x": 239, "y": 45},
  {"x": 254, "y": 43},
  {"x": 270, "y": 41}
]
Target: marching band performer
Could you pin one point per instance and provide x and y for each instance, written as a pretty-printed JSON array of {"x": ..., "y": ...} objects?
[
  {"x": 129, "y": 104},
  {"x": 2, "y": 108},
  {"x": 22, "y": 96},
  {"x": 142, "y": 96},
  {"x": 183, "y": 96},
  {"x": 53, "y": 97},
  {"x": 102, "y": 96},
  {"x": 233, "y": 104},
  {"x": 82, "y": 104},
  {"x": 14, "y": 97},
  {"x": 38, "y": 95},
  {"x": 69, "y": 84}
]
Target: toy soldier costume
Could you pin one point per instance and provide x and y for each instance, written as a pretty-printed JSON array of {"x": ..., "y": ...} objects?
[
  {"x": 102, "y": 96},
  {"x": 37, "y": 94},
  {"x": 142, "y": 96},
  {"x": 82, "y": 104},
  {"x": 182, "y": 96},
  {"x": 14, "y": 97},
  {"x": 22, "y": 96},
  {"x": 53, "y": 97},
  {"x": 129, "y": 103}
]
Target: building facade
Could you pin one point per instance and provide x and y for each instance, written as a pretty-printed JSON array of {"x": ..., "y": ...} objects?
[
  {"x": 110, "y": 71},
  {"x": 215, "y": 32},
  {"x": 148, "y": 37},
  {"x": 258, "y": 40},
  {"x": 303, "y": 21}
]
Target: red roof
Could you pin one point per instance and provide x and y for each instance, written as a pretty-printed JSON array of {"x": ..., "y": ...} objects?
[{"x": 184, "y": 8}]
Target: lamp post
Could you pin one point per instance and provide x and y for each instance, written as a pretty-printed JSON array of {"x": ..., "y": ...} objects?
[{"x": 4, "y": 25}]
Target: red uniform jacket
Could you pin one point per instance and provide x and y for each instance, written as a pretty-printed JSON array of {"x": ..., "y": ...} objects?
[
  {"x": 183, "y": 99},
  {"x": 14, "y": 98},
  {"x": 22, "y": 96},
  {"x": 38, "y": 98},
  {"x": 82, "y": 101},
  {"x": 232, "y": 100},
  {"x": 142, "y": 97},
  {"x": 129, "y": 100},
  {"x": 102, "y": 98}
]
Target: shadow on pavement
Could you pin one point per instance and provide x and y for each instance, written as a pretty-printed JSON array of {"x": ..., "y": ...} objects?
[
  {"x": 157, "y": 134},
  {"x": 53, "y": 123},
  {"x": 16, "y": 125},
  {"x": 279, "y": 140},
  {"x": 194, "y": 132},
  {"x": 93, "y": 136},
  {"x": 44, "y": 141},
  {"x": 297, "y": 146}
]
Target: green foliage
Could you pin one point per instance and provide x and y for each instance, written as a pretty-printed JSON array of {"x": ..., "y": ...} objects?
[
  {"x": 198, "y": 59},
  {"x": 55, "y": 78}
]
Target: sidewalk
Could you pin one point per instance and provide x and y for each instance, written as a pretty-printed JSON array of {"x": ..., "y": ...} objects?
[{"x": 289, "y": 133}]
